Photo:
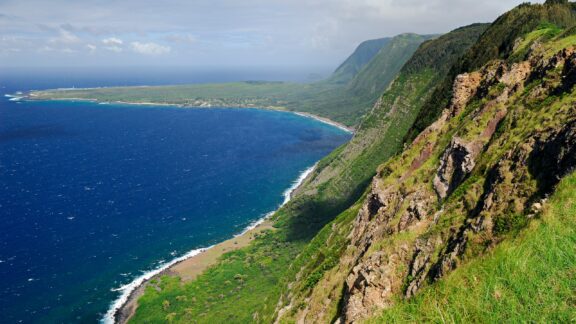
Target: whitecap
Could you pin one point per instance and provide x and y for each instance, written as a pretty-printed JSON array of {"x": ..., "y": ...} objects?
[{"x": 127, "y": 289}]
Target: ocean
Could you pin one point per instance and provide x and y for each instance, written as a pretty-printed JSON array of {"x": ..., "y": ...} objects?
[{"x": 93, "y": 196}]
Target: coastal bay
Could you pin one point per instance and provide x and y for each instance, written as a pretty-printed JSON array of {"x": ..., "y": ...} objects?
[{"x": 208, "y": 185}]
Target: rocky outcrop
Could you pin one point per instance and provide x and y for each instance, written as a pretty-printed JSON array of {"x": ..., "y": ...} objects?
[
  {"x": 456, "y": 163},
  {"x": 383, "y": 264},
  {"x": 464, "y": 88}
]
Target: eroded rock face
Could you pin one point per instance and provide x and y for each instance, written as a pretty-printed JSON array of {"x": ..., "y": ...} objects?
[
  {"x": 548, "y": 155},
  {"x": 463, "y": 89},
  {"x": 553, "y": 157},
  {"x": 420, "y": 264},
  {"x": 371, "y": 284},
  {"x": 402, "y": 239},
  {"x": 456, "y": 163}
]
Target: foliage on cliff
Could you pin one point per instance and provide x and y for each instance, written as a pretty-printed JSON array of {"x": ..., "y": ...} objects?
[
  {"x": 497, "y": 42},
  {"x": 474, "y": 178},
  {"x": 363, "y": 54},
  {"x": 491, "y": 124},
  {"x": 530, "y": 278}
]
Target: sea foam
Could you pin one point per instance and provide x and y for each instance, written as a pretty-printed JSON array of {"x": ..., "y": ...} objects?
[{"x": 128, "y": 289}]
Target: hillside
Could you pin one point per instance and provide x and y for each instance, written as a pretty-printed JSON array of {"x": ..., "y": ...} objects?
[
  {"x": 341, "y": 178},
  {"x": 529, "y": 278},
  {"x": 371, "y": 81},
  {"x": 447, "y": 205},
  {"x": 258, "y": 274},
  {"x": 476, "y": 177},
  {"x": 359, "y": 58}
]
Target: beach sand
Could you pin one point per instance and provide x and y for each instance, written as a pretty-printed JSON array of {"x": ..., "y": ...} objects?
[{"x": 190, "y": 268}]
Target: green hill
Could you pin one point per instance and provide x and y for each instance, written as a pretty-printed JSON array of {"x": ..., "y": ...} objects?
[
  {"x": 466, "y": 195},
  {"x": 359, "y": 58}
]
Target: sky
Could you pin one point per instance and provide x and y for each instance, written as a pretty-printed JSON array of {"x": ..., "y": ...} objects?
[{"x": 217, "y": 33}]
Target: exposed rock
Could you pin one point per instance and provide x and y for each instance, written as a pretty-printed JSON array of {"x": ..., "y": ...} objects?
[
  {"x": 456, "y": 163},
  {"x": 404, "y": 237},
  {"x": 372, "y": 284},
  {"x": 421, "y": 262},
  {"x": 463, "y": 89},
  {"x": 553, "y": 157}
]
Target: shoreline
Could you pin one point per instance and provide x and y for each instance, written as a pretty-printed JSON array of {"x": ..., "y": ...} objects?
[
  {"x": 193, "y": 263},
  {"x": 350, "y": 130}
]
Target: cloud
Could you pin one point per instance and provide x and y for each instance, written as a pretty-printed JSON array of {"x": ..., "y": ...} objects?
[
  {"x": 65, "y": 37},
  {"x": 112, "y": 41},
  {"x": 249, "y": 32},
  {"x": 113, "y": 44},
  {"x": 115, "y": 49},
  {"x": 150, "y": 48},
  {"x": 91, "y": 48}
]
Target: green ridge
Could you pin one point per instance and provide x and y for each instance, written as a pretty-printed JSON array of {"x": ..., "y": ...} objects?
[{"x": 529, "y": 279}]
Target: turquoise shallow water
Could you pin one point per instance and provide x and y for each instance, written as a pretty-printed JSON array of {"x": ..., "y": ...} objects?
[{"x": 93, "y": 195}]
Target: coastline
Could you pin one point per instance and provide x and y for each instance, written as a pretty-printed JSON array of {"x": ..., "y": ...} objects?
[
  {"x": 350, "y": 130},
  {"x": 193, "y": 263}
]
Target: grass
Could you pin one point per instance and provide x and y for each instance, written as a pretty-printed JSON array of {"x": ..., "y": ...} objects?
[
  {"x": 530, "y": 278},
  {"x": 243, "y": 288}
]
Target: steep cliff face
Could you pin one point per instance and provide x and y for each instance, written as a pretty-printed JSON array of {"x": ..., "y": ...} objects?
[
  {"x": 510, "y": 176},
  {"x": 341, "y": 178},
  {"x": 477, "y": 174},
  {"x": 361, "y": 56}
]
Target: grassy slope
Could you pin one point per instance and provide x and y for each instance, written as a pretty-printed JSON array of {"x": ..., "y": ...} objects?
[
  {"x": 355, "y": 62},
  {"x": 322, "y": 283},
  {"x": 350, "y": 102},
  {"x": 217, "y": 294},
  {"x": 370, "y": 82},
  {"x": 342, "y": 177},
  {"x": 531, "y": 278},
  {"x": 259, "y": 302},
  {"x": 497, "y": 43},
  {"x": 242, "y": 288},
  {"x": 328, "y": 99}
]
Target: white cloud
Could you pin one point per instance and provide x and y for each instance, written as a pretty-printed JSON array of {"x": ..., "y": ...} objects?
[
  {"x": 91, "y": 48},
  {"x": 112, "y": 41},
  {"x": 113, "y": 44},
  {"x": 115, "y": 49},
  {"x": 65, "y": 37},
  {"x": 150, "y": 48},
  {"x": 249, "y": 32}
]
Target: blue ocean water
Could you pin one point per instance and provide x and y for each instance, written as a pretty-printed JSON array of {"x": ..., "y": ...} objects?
[{"x": 93, "y": 195}]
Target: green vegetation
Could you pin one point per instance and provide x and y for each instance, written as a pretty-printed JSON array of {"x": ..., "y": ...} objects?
[
  {"x": 342, "y": 177},
  {"x": 339, "y": 180},
  {"x": 496, "y": 195},
  {"x": 515, "y": 266},
  {"x": 498, "y": 42},
  {"x": 355, "y": 62},
  {"x": 243, "y": 288},
  {"x": 530, "y": 278}
]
